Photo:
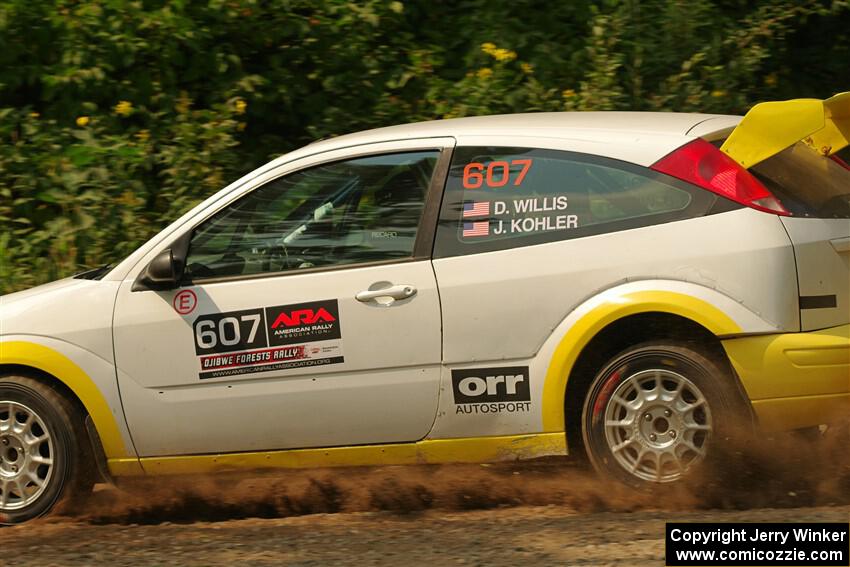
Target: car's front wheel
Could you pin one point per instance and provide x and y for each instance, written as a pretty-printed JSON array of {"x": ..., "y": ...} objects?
[
  {"x": 42, "y": 449},
  {"x": 656, "y": 412}
]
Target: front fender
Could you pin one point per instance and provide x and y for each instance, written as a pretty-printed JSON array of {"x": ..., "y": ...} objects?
[{"x": 90, "y": 378}]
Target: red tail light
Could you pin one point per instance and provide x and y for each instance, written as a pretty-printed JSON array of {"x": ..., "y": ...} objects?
[
  {"x": 840, "y": 162},
  {"x": 702, "y": 164}
]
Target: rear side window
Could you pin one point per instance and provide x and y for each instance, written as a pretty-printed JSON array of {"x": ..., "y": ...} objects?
[
  {"x": 499, "y": 198},
  {"x": 807, "y": 183}
]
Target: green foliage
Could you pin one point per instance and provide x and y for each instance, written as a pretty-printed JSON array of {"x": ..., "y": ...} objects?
[{"x": 116, "y": 116}]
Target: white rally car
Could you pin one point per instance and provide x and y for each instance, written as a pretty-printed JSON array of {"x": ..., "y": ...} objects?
[{"x": 625, "y": 284}]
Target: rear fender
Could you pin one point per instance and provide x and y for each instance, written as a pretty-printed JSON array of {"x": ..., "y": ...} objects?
[{"x": 718, "y": 313}]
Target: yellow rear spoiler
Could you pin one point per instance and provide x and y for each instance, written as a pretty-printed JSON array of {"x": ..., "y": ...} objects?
[{"x": 770, "y": 127}]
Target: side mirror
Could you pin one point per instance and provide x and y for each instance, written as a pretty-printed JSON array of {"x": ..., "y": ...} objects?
[{"x": 161, "y": 274}]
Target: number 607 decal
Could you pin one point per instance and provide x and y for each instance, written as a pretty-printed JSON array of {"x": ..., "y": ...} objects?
[
  {"x": 495, "y": 173},
  {"x": 229, "y": 332}
]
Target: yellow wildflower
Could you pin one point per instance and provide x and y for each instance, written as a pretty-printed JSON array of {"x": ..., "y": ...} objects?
[
  {"x": 128, "y": 199},
  {"x": 143, "y": 135},
  {"x": 241, "y": 105},
  {"x": 568, "y": 93},
  {"x": 503, "y": 55},
  {"x": 397, "y": 7},
  {"x": 124, "y": 108},
  {"x": 484, "y": 73},
  {"x": 214, "y": 179},
  {"x": 527, "y": 68},
  {"x": 718, "y": 94},
  {"x": 488, "y": 48},
  {"x": 82, "y": 121},
  {"x": 183, "y": 103},
  {"x": 35, "y": 115}
]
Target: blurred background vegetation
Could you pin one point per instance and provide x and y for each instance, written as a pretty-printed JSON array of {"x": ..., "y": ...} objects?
[{"x": 116, "y": 115}]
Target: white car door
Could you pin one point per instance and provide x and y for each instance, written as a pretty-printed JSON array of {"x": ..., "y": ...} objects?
[{"x": 308, "y": 317}]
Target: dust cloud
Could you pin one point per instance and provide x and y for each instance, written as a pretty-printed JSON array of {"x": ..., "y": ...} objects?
[{"x": 791, "y": 470}]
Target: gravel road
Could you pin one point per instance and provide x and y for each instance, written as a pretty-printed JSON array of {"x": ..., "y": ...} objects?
[
  {"x": 548, "y": 512},
  {"x": 546, "y": 535}
]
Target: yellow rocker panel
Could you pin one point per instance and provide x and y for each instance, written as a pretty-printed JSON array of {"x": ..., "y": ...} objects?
[{"x": 464, "y": 450}]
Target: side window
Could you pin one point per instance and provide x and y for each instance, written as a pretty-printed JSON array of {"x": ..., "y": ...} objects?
[
  {"x": 498, "y": 198},
  {"x": 362, "y": 210}
]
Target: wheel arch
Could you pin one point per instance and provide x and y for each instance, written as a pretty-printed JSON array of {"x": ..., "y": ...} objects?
[
  {"x": 607, "y": 321},
  {"x": 54, "y": 368},
  {"x": 9, "y": 369},
  {"x": 628, "y": 332}
]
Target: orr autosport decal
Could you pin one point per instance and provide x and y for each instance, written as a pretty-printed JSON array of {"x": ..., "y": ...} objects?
[
  {"x": 491, "y": 390},
  {"x": 267, "y": 339}
]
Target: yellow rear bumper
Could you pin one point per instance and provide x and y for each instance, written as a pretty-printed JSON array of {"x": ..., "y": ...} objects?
[{"x": 795, "y": 379}]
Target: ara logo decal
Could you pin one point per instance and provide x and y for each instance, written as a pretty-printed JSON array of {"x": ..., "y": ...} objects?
[
  {"x": 303, "y": 317},
  {"x": 303, "y": 322}
]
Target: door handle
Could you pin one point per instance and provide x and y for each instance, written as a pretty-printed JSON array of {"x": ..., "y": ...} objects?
[{"x": 395, "y": 292}]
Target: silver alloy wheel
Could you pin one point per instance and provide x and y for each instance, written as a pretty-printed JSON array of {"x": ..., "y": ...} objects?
[
  {"x": 26, "y": 456},
  {"x": 657, "y": 425}
]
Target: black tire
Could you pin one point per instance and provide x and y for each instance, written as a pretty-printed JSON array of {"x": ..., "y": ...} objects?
[
  {"x": 655, "y": 445},
  {"x": 68, "y": 478}
]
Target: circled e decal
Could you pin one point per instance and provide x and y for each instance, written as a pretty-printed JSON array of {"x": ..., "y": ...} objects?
[{"x": 185, "y": 301}]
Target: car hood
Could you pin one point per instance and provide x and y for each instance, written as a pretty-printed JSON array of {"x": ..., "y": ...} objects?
[
  {"x": 77, "y": 311},
  {"x": 40, "y": 290}
]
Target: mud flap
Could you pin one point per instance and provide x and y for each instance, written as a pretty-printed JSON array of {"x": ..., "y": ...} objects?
[{"x": 98, "y": 453}]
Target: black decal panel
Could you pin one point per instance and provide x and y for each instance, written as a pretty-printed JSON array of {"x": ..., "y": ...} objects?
[
  {"x": 482, "y": 385},
  {"x": 229, "y": 332},
  {"x": 303, "y": 322},
  {"x": 298, "y": 335}
]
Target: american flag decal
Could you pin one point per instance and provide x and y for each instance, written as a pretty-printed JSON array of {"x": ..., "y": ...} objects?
[
  {"x": 476, "y": 209},
  {"x": 480, "y": 228}
]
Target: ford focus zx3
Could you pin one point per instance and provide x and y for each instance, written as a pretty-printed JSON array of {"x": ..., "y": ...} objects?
[{"x": 625, "y": 285}]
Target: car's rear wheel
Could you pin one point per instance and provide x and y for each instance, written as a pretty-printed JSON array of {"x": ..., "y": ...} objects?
[
  {"x": 656, "y": 412},
  {"x": 43, "y": 456}
]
